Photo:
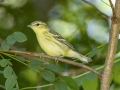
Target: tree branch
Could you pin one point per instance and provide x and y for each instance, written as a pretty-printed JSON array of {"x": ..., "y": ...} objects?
[
  {"x": 96, "y": 8},
  {"x": 112, "y": 7},
  {"x": 53, "y": 58},
  {"x": 112, "y": 46}
]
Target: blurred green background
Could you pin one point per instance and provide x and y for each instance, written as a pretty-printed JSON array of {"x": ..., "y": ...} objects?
[{"x": 85, "y": 24}]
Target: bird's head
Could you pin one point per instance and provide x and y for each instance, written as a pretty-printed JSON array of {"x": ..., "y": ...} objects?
[{"x": 38, "y": 26}]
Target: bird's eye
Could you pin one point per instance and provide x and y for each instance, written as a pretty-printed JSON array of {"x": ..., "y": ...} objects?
[{"x": 37, "y": 24}]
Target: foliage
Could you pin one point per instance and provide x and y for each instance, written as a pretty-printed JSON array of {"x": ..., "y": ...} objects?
[
  {"x": 80, "y": 23},
  {"x": 48, "y": 71},
  {"x": 8, "y": 72}
]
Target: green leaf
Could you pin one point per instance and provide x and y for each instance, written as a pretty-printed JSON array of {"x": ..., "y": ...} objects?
[
  {"x": 60, "y": 85},
  {"x": 15, "y": 89},
  {"x": 111, "y": 77},
  {"x": 20, "y": 58},
  {"x": 48, "y": 75},
  {"x": 53, "y": 67},
  {"x": 98, "y": 66},
  {"x": 90, "y": 76},
  {"x": 1, "y": 86},
  {"x": 4, "y": 62},
  {"x": 104, "y": 49},
  {"x": 8, "y": 71},
  {"x": 118, "y": 47},
  {"x": 93, "y": 52},
  {"x": 90, "y": 84},
  {"x": 116, "y": 73},
  {"x": 79, "y": 80},
  {"x": 34, "y": 64},
  {"x": 9, "y": 63},
  {"x": 1, "y": 72},
  {"x": 5, "y": 46},
  {"x": 70, "y": 82},
  {"x": 10, "y": 82},
  {"x": 0, "y": 48},
  {"x": 22, "y": 49},
  {"x": 114, "y": 87},
  {"x": 19, "y": 36},
  {"x": 11, "y": 40}
]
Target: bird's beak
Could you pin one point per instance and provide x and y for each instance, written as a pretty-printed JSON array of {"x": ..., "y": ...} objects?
[{"x": 29, "y": 25}]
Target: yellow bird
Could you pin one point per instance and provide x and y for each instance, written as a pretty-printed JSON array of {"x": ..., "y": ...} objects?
[{"x": 53, "y": 43}]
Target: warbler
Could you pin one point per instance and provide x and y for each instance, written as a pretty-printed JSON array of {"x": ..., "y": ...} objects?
[{"x": 53, "y": 43}]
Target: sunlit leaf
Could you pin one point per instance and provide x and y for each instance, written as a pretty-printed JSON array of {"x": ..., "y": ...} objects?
[
  {"x": 60, "y": 85},
  {"x": 19, "y": 36},
  {"x": 11, "y": 40},
  {"x": 90, "y": 84},
  {"x": 70, "y": 82},
  {"x": 8, "y": 71},
  {"x": 116, "y": 73},
  {"x": 48, "y": 75},
  {"x": 5, "y": 46},
  {"x": 118, "y": 47}
]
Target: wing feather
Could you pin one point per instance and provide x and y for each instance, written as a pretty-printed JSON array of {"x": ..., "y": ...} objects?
[{"x": 58, "y": 37}]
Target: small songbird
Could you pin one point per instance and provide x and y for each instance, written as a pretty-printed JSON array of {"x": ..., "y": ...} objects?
[{"x": 53, "y": 43}]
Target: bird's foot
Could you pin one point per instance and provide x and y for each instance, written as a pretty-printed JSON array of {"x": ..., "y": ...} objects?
[
  {"x": 56, "y": 58},
  {"x": 41, "y": 54}
]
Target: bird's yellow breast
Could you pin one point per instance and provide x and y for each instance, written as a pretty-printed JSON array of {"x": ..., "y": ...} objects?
[{"x": 51, "y": 46}]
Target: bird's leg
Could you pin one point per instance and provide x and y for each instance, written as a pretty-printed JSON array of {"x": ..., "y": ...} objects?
[
  {"x": 41, "y": 54},
  {"x": 56, "y": 57}
]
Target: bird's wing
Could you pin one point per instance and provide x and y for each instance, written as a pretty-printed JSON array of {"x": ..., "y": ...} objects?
[{"x": 61, "y": 39}]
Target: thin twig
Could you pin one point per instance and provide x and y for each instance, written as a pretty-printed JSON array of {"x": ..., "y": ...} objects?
[
  {"x": 53, "y": 58},
  {"x": 96, "y": 8},
  {"x": 105, "y": 2},
  {"x": 112, "y": 7}
]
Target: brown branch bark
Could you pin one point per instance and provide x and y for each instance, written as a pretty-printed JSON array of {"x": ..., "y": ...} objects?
[
  {"x": 112, "y": 7},
  {"x": 112, "y": 46},
  {"x": 53, "y": 58}
]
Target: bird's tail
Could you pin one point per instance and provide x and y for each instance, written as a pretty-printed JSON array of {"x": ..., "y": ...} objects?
[{"x": 81, "y": 57}]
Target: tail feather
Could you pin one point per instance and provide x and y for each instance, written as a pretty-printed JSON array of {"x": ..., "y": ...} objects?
[{"x": 81, "y": 57}]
